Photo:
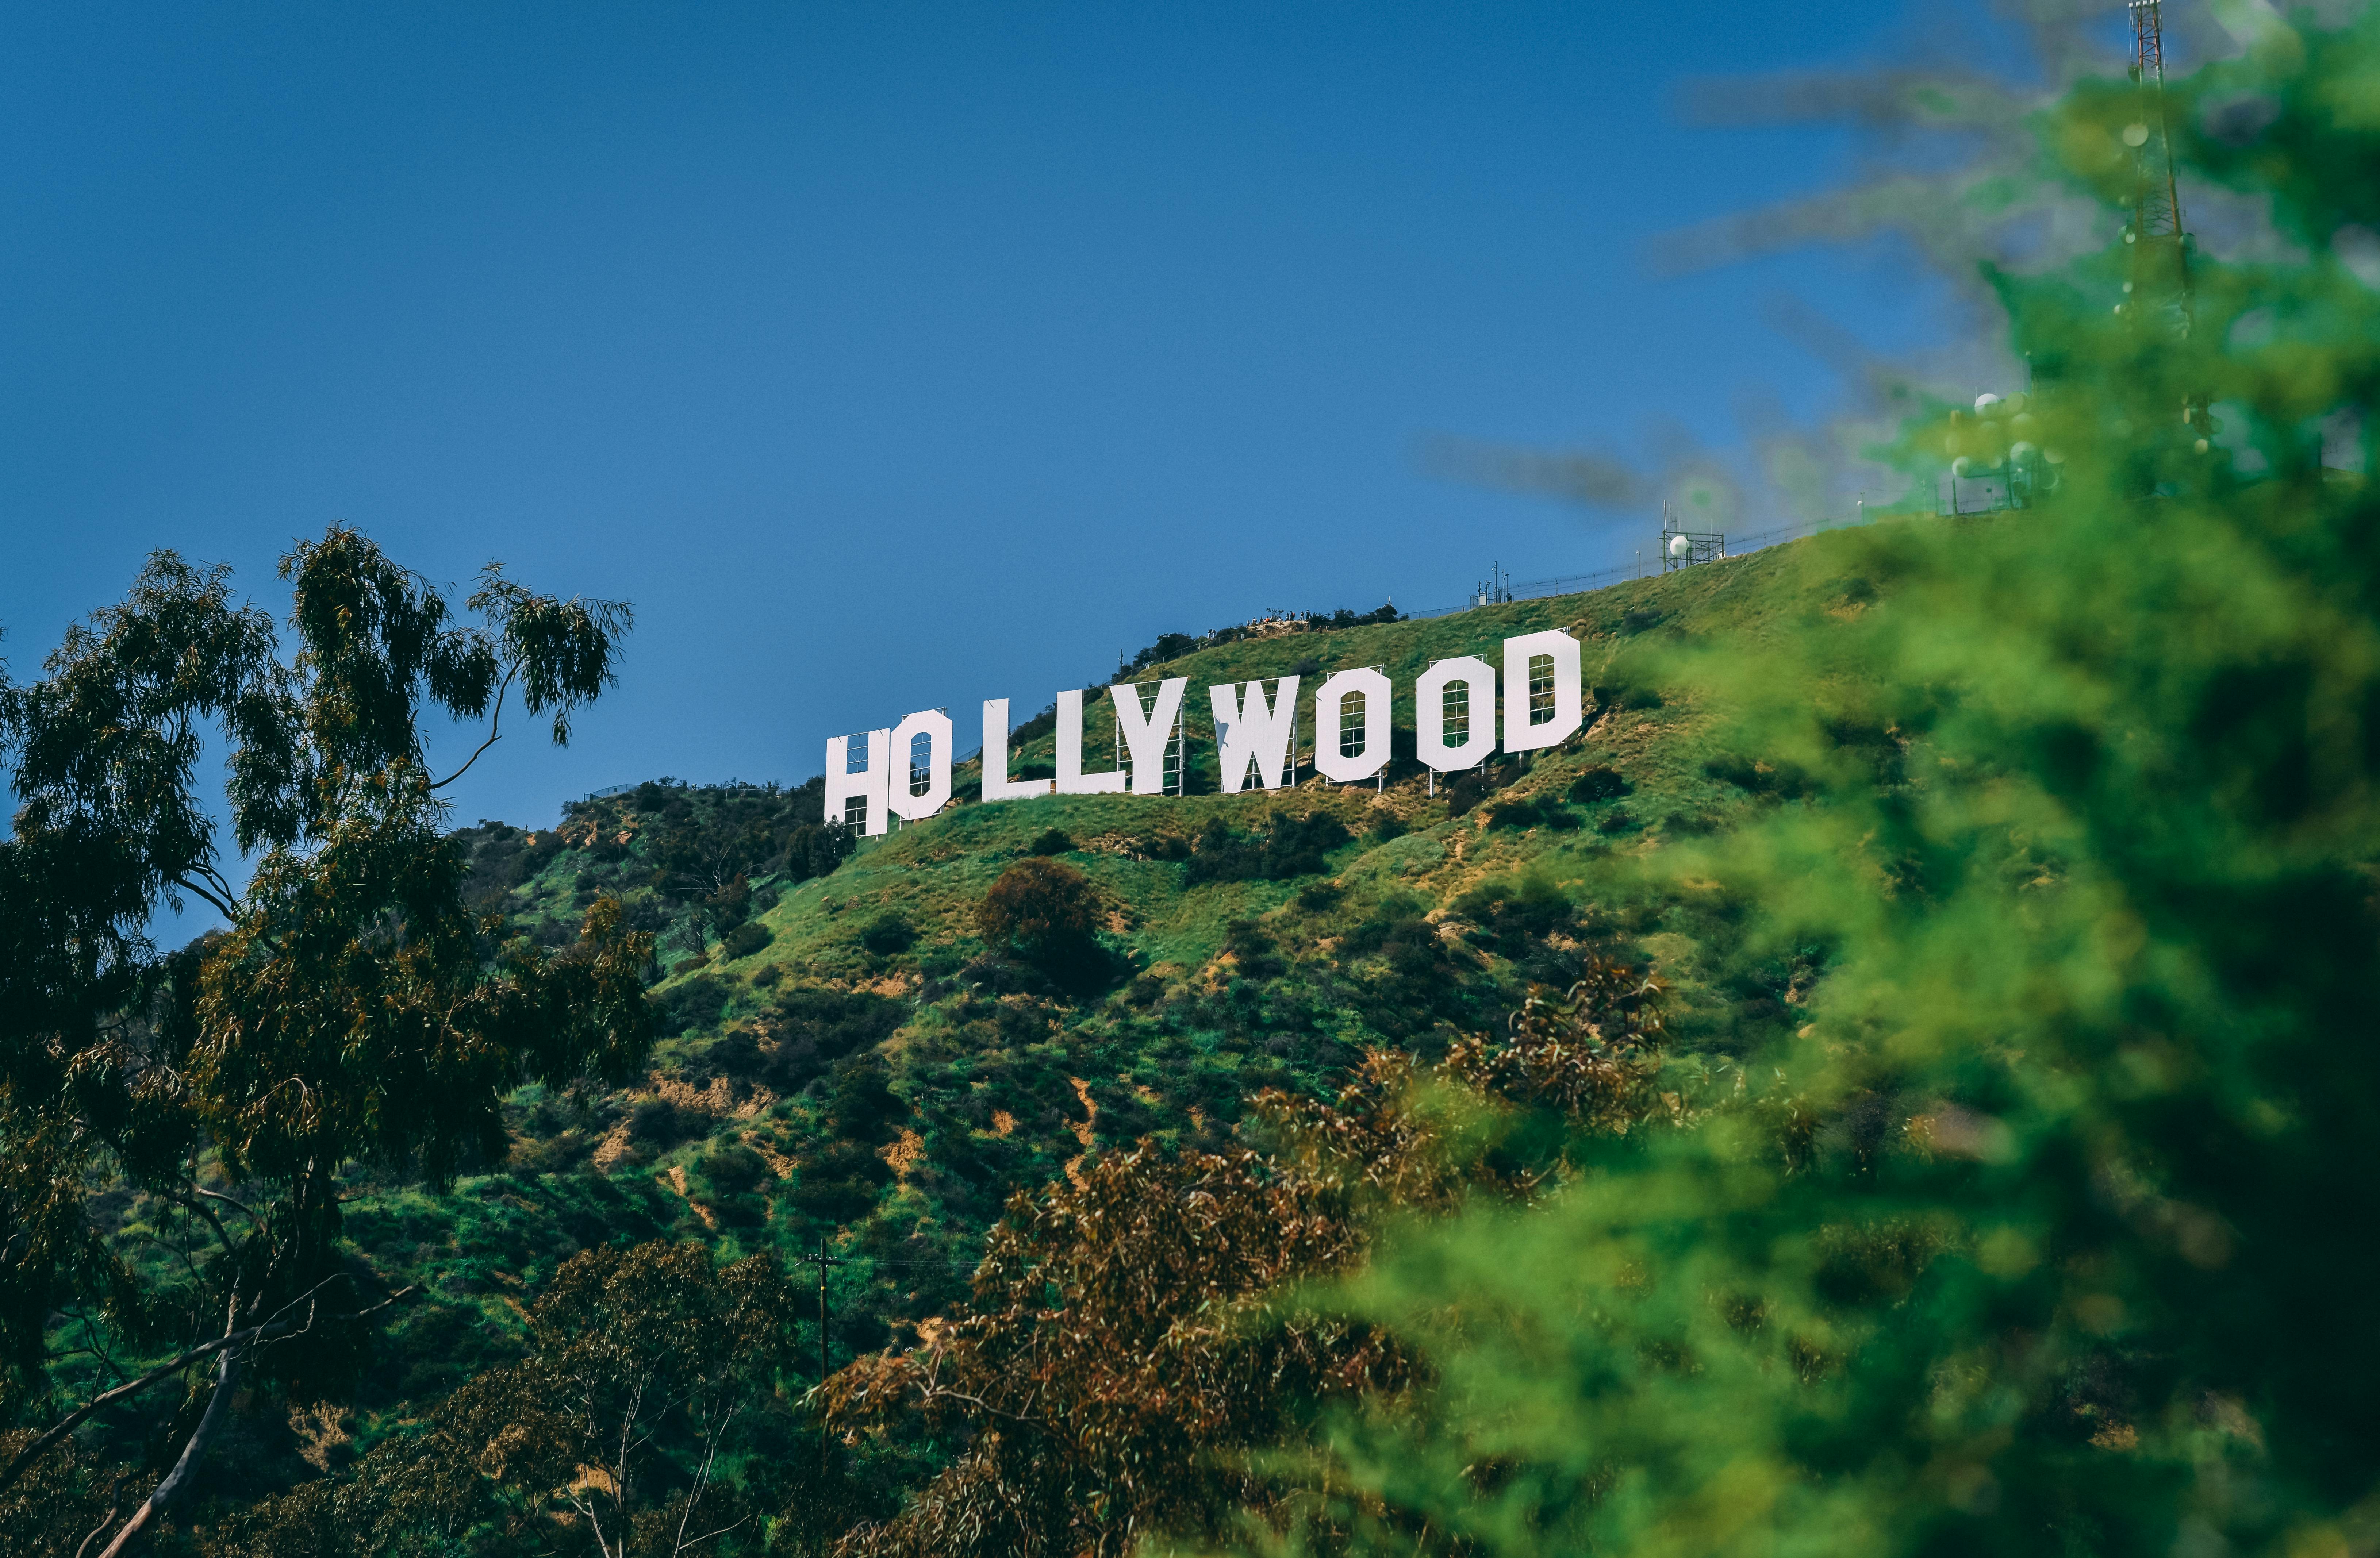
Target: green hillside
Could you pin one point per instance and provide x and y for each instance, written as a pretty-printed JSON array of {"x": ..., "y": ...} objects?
[
  {"x": 847, "y": 1062},
  {"x": 1888, "y": 1086}
]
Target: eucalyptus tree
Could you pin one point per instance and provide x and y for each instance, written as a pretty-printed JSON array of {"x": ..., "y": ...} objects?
[{"x": 351, "y": 1010}]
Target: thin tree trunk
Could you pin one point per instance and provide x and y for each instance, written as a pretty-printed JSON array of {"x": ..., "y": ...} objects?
[
  {"x": 227, "y": 1371},
  {"x": 84, "y": 1546}
]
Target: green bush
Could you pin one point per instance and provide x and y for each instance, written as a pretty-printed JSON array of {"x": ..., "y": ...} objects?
[
  {"x": 1597, "y": 785},
  {"x": 698, "y": 1003},
  {"x": 1289, "y": 848},
  {"x": 2036, "y": 1225},
  {"x": 745, "y": 939},
  {"x": 1036, "y": 904},
  {"x": 734, "y": 1170},
  {"x": 888, "y": 933}
]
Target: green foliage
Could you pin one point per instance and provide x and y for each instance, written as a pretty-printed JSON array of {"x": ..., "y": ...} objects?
[
  {"x": 1510, "y": 915},
  {"x": 1533, "y": 811},
  {"x": 649, "y": 1372},
  {"x": 1133, "y": 1336},
  {"x": 745, "y": 939},
  {"x": 1596, "y": 785},
  {"x": 888, "y": 933},
  {"x": 815, "y": 1028},
  {"x": 1291, "y": 847},
  {"x": 2028, "y": 1235},
  {"x": 1038, "y": 903},
  {"x": 352, "y": 1011}
]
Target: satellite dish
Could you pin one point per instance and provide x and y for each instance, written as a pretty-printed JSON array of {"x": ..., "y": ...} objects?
[{"x": 1680, "y": 546}]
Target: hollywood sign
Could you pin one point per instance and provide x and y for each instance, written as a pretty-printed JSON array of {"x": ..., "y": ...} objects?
[{"x": 1256, "y": 734}]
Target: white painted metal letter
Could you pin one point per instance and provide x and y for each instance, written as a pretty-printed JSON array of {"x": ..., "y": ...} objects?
[
  {"x": 1534, "y": 716},
  {"x": 1246, "y": 732},
  {"x": 997, "y": 785},
  {"x": 1145, "y": 736},
  {"x": 1072, "y": 780},
  {"x": 935, "y": 726},
  {"x": 867, "y": 785},
  {"x": 1478, "y": 680},
  {"x": 1328, "y": 699}
]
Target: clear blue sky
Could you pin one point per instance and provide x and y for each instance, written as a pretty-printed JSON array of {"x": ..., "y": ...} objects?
[{"x": 884, "y": 356}]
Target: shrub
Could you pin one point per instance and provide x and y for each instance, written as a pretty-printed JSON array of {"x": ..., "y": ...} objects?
[
  {"x": 734, "y": 1170},
  {"x": 815, "y": 1028},
  {"x": 1049, "y": 914},
  {"x": 833, "y": 1200},
  {"x": 1038, "y": 902},
  {"x": 1221, "y": 856},
  {"x": 1252, "y": 948},
  {"x": 1784, "y": 781},
  {"x": 1050, "y": 841},
  {"x": 1511, "y": 915},
  {"x": 1471, "y": 788},
  {"x": 744, "y": 940},
  {"x": 660, "y": 1123},
  {"x": 1315, "y": 896},
  {"x": 735, "y": 1054},
  {"x": 887, "y": 935},
  {"x": 696, "y": 1003},
  {"x": 1291, "y": 847},
  {"x": 1296, "y": 846},
  {"x": 1033, "y": 729},
  {"x": 1597, "y": 785},
  {"x": 1531, "y": 811},
  {"x": 864, "y": 1107}
]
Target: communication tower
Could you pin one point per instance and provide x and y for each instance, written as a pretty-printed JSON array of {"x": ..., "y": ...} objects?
[
  {"x": 1683, "y": 549},
  {"x": 2160, "y": 268}
]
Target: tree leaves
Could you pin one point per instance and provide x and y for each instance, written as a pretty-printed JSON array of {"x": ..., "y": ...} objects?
[{"x": 351, "y": 1010}]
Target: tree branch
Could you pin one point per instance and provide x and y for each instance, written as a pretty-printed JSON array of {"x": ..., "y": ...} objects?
[
  {"x": 586, "y": 1507},
  {"x": 701, "y": 1481},
  {"x": 225, "y": 909},
  {"x": 495, "y": 729},
  {"x": 708, "y": 1535},
  {"x": 222, "y": 1235},
  {"x": 216, "y": 878},
  {"x": 84, "y": 1545},
  {"x": 237, "y": 1205},
  {"x": 73, "y": 1419}
]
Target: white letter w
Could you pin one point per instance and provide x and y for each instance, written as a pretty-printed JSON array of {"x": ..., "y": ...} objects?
[{"x": 1246, "y": 732}]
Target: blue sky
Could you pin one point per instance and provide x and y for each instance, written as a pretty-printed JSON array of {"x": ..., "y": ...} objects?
[{"x": 883, "y": 357}]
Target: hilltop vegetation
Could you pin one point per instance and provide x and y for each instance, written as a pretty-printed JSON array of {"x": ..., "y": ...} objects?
[
  {"x": 1890, "y": 1086},
  {"x": 869, "y": 1048},
  {"x": 846, "y": 1057}
]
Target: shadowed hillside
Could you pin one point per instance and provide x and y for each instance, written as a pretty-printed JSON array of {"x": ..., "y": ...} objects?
[{"x": 847, "y": 1060}]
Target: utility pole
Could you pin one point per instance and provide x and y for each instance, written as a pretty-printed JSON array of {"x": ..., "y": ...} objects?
[{"x": 821, "y": 1259}]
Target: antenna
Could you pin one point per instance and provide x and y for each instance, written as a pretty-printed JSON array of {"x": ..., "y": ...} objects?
[{"x": 2160, "y": 284}]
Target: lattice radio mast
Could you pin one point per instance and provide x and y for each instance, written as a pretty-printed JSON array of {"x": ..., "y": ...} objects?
[{"x": 2160, "y": 279}]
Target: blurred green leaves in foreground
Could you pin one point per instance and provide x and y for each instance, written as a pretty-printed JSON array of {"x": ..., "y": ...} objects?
[{"x": 2052, "y": 1232}]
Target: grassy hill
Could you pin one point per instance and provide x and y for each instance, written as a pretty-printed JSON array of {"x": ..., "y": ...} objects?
[{"x": 848, "y": 1063}]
